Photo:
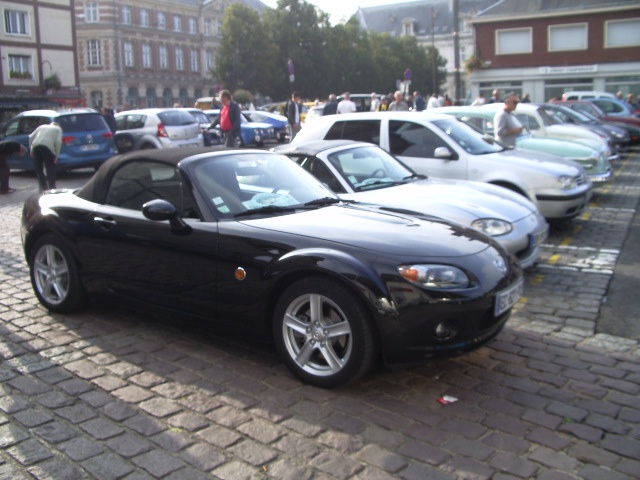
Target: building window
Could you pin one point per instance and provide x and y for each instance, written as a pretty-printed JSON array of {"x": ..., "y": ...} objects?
[
  {"x": 167, "y": 98},
  {"x": 179, "y": 58},
  {"x": 183, "y": 97},
  {"x": 16, "y": 22},
  {"x": 193, "y": 25},
  {"x": 20, "y": 66},
  {"x": 163, "y": 57},
  {"x": 218, "y": 26},
  {"x": 195, "y": 60},
  {"x": 151, "y": 98},
  {"x": 91, "y": 12},
  {"x": 144, "y": 17},
  {"x": 162, "y": 21},
  {"x": 94, "y": 53},
  {"x": 568, "y": 37},
  {"x": 128, "y": 54},
  {"x": 206, "y": 26},
  {"x": 177, "y": 23},
  {"x": 126, "y": 15},
  {"x": 133, "y": 97},
  {"x": 209, "y": 59},
  {"x": 512, "y": 41},
  {"x": 622, "y": 33},
  {"x": 96, "y": 99},
  {"x": 146, "y": 56}
]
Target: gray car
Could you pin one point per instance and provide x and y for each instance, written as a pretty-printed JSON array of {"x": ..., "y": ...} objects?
[
  {"x": 442, "y": 146},
  {"x": 156, "y": 128},
  {"x": 366, "y": 173}
]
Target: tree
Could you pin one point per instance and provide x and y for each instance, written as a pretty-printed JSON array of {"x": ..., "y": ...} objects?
[{"x": 245, "y": 57}]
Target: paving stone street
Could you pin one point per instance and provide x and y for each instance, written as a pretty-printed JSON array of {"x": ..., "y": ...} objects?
[{"x": 120, "y": 393}]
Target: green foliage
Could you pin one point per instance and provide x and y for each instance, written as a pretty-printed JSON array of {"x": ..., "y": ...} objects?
[
  {"x": 243, "y": 96},
  {"x": 327, "y": 59}
]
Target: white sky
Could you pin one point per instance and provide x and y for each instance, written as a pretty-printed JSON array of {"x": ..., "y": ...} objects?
[{"x": 341, "y": 9}]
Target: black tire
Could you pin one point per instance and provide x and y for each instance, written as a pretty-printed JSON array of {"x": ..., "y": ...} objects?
[
  {"x": 54, "y": 275},
  {"x": 330, "y": 351}
]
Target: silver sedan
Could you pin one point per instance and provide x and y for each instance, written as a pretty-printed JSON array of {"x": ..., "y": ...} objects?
[{"x": 366, "y": 173}]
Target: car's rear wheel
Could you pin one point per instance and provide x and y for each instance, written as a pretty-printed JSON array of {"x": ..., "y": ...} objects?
[
  {"x": 323, "y": 333},
  {"x": 54, "y": 275}
]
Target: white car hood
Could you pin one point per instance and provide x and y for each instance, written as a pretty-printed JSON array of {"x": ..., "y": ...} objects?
[{"x": 450, "y": 200}]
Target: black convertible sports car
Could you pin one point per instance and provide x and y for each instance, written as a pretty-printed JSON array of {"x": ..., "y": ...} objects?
[{"x": 247, "y": 238}]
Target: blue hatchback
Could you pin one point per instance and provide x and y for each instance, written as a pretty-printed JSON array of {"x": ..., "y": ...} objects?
[{"x": 87, "y": 140}]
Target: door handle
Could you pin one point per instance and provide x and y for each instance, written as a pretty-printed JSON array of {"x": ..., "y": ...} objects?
[{"x": 105, "y": 223}]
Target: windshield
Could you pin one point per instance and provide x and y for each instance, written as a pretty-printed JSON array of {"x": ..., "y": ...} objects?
[
  {"x": 367, "y": 168},
  {"x": 241, "y": 182},
  {"x": 547, "y": 118},
  {"x": 468, "y": 139}
]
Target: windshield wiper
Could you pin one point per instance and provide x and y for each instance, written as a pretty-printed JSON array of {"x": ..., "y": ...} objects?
[
  {"x": 417, "y": 176},
  {"x": 322, "y": 201},
  {"x": 268, "y": 209}
]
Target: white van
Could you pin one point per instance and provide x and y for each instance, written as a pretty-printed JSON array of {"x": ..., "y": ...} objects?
[{"x": 584, "y": 94}]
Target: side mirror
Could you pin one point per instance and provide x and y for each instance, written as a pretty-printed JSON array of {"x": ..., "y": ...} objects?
[
  {"x": 160, "y": 210},
  {"x": 442, "y": 152}
]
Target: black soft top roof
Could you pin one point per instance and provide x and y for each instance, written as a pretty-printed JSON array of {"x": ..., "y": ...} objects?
[{"x": 94, "y": 190}]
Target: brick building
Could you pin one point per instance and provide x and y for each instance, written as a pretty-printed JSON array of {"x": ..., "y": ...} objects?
[{"x": 547, "y": 47}]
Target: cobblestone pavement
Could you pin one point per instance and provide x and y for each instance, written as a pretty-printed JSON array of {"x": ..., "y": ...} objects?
[{"x": 112, "y": 393}]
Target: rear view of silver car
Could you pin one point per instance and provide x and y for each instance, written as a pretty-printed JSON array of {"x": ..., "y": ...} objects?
[{"x": 156, "y": 128}]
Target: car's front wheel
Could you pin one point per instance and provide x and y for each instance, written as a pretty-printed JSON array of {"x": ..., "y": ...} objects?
[
  {"x": 54, "y": 275},
  {"x": 323, "y": 333}
]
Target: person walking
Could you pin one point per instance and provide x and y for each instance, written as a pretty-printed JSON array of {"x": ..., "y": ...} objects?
[
  {"x": 228, "y": 119},
  {"x": 7, "y": 148},
  {"x": 46, "y": 144},
  {"x": 292, "y": 113},
  {"x": 506, "y": 126}
]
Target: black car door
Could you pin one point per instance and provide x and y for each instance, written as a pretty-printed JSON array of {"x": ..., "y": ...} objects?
[{"x": 149, "y": 260}]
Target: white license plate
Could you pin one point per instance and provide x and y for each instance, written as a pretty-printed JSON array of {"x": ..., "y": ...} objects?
[
  {"x": 89, "y": 147},
  {"x": 508, "y": 298}
]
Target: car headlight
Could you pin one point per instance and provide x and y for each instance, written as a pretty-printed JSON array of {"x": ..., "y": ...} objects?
[
  {"x": 566, "y": 182},
  {"x": 443, "y": 277},
  {"x": 492, "y": 226}
]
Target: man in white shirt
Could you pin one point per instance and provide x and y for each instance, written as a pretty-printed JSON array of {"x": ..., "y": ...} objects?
[
  {"x": 346, "y": 105},
  {"x": 375, "y": 102}
]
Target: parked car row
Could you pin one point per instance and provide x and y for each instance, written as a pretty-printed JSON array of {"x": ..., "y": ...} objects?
[{"x": 374, "y": 238}]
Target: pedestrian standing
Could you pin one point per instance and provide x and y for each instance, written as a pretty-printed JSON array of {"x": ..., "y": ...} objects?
[
  {"x": 398, "y": 104},
  {"x": 495, "y": 97},
  {"x": 228, "y": 119},
  {"x": 432, "y": 102},
  {"x": 346, "y": 105},
  {"x": 293, "y": 114},
  {"x": 331, "y": 107},
  {"x": 46, "y": 144},
  {"x": 8, "y": 148},
  {"x": 375, "y": 102},
  {"x": 506, "y": 126},
  {"x": 110, "y": 118},
  {"x": 418, "y": 102}
]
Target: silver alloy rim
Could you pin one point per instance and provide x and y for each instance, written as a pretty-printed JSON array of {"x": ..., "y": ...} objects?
[
  {"x": 51, "y": 274},
  {"x": 317, "y": 335}
]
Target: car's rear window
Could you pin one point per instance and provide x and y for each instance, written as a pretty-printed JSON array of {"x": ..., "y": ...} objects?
[
  {"x": 176, "y": 118},
  {"x": 84, "y": 122}
]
